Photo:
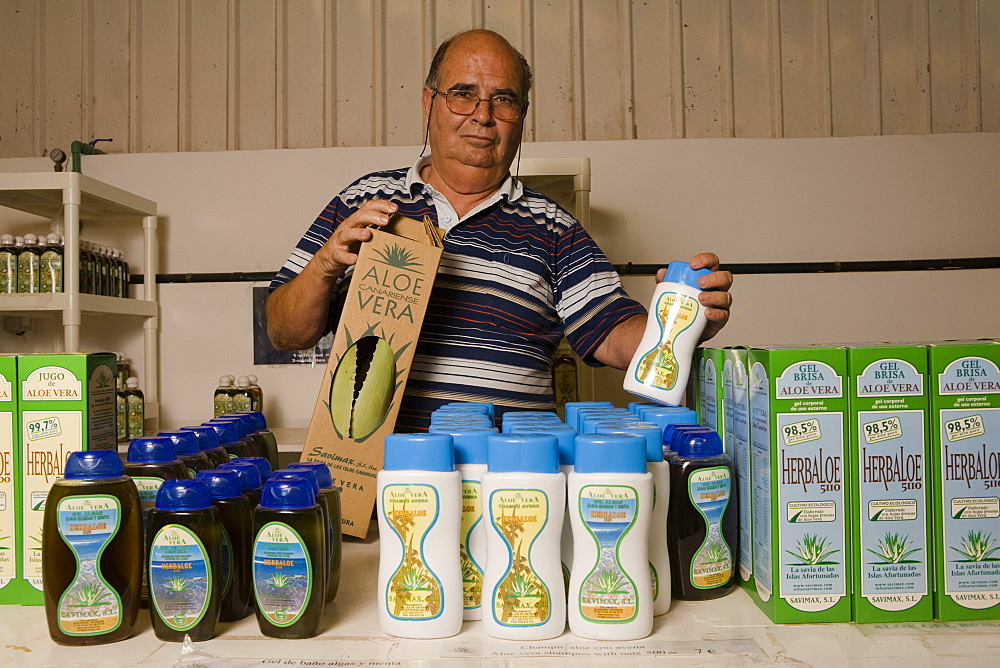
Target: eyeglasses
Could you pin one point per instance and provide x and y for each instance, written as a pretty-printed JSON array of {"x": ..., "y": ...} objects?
[{"x": 464, "y": 103}]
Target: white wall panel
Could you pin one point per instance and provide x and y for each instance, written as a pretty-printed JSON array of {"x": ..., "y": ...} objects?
[
  {"x": 905, "y": 61},
  {"x": 19, "y": 79},
  {"x": 205, "y": 97},
  {"x": 805, "y": 73},
  {"x": 989, "y": 64},
  {"x": 756, "y": 78},
  {"x": 106, "y": 71},
  {"x": 62, "y": 35},
  {"x": 657, "y": 75},
  {"x": 854, "y": 68},
  {"x": 707, "y": 59},
  {"x": 954, "y": 74},
  {"x": 302, "y": 73}
]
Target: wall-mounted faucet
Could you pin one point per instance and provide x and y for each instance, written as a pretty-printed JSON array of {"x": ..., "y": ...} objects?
[{"x": 78, "y": 148}]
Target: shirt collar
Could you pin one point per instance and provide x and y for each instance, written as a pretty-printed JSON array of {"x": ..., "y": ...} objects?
[{"x": 510, "y": 188}]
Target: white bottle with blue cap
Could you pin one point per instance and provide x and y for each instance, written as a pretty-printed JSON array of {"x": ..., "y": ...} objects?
[
  {"x": 419, "y": 516},
  {"x": 611, "y": 499},
  {"x": 524, "y": 498},
  {"x": 661, "y": 364}
]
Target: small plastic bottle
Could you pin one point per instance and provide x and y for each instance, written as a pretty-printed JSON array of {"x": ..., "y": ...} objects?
[
  {"x": 186, "y": 446},
  {"x": 8, "y": 265},
  {"x": 332, "y": 494},
  {"x": 419, "y": 500},
  {"x": 289, "y": 560},
  {"x": 611, "y": 493},
  {"x": 237, "y": 525},
  {"x": 184, "y": 548},
  {"x": 661, "y": 364},
  {"x": 92, "y": 551},
  {"x": 121, "y": 415},
  {"x": 256, "y": 393},
  {"x": 659, "y": 558},
  {"x": 135, "y": 404},
  {"x": 208, "y": 444},
  {"x": 702, "y": 531},
  {"x": 29, "y": 270},
  {"x": 242, "y": 396},
  {"x": 51, "y": 264},
  {"x": 223, "y": 401},
  {"x": 249, "y": 478},
  {"x": 524, "y": 501},
  {"x": 263, "y": 466}
]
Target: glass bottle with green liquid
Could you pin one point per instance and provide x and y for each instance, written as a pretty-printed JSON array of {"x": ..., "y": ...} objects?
[
  {"x": 237, "y": 524},
  {"x": 289, "y": 560},
  {"x": 332, "y": 495},
  {"x": 184, "y": 548},
  {"x": 8, "y": 264},
  {"x": 29, "y": 260},
  {"x": 51, "y": 264},
  {"x": 92, "y": 551}
]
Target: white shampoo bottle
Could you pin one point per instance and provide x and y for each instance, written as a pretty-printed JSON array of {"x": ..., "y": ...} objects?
[
  {"x": 524, "y": 497},
  {"x": 419, "y": 515},
  {"x": 611, "y": 493},
  {"x": 661, "y": 364}
]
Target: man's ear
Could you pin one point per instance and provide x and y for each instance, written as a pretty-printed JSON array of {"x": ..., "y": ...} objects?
[{"x": 426, "y": 98}]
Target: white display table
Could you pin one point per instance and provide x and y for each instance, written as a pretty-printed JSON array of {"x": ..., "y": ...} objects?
[{"x": 726, "y": 631}]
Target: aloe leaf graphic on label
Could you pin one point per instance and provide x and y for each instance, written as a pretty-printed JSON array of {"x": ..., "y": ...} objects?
[
  {"x": 893, "y": 548},
  {"x": 795, "y": 517},
  {"x": 89, "y": 595},
  {"x": 977, "y": 546},
  {"x": 811, "y": 550},
  {"x": 958, "y": 515}
]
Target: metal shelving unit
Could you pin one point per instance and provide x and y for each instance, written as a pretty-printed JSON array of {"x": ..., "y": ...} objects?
[{"x": 69, "y": 199}]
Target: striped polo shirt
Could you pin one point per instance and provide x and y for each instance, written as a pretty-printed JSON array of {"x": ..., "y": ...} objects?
[{"x": 516, "y": 275}]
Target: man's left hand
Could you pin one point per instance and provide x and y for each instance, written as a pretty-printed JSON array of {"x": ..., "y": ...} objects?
[{"x": 716, "y": 298}]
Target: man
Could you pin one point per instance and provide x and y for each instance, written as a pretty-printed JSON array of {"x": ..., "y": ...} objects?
[{"x": 517, "y": 273}]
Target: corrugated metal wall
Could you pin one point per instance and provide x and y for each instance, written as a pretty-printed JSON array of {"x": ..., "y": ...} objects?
[{"x": 203, "y": 75}]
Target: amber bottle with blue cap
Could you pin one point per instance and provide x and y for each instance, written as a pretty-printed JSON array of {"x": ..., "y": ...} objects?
[
  {"x": 267, "y": 436},
  {"x": 324, "y": 505},
  {"x": 289, "y": 559},
  {"x": 661, "y": 364},
  {"x": 188, "y": 451},
  {"x": 419, "y": 502},
  {"x": 610, "y": 497},
  {"x": 524, "y": 501},
  {"x": 332, "y": 494},
  {"x": 92, "y": 551},
  {"x": 249, "y": 478},
  {"x": 184, "y": 558},
  {"x": 702, "y": 526},
  {"x": 237, "y": 524},
  {"x": 208, "y": 443},
  {"x": 229, "y": 438}
]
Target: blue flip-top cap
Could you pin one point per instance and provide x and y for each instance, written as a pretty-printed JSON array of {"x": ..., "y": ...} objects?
[
  {"x": 93, "y": 464},
  {"x": 602, "y": 453},
  {"x": 151, "y": 450},
  {"x": 700, "y": 444},
  {"x": 570, "y": 409},
  {"x": 261, "y": 463},
  {"x": 489, "y": 406},
  {"x": 447, "y": 421},
  {"x": 308, "y": 474},
  {"x": 207, "y": 438},
  {"x": 523, "y": 453},
  {"x": 469, "y": 441},
  {"x": 646, "y": 412},
  {"x": 565, "y": 435},
  {"x": 592, "y": 421},
  {"x": 222, "y": 483},
  {"x": 319, "y": 469},
  {"x": 675, "y": 432},
  {"x": 236, "y": 421},
  {"x": 681, "y": 272},
  {"x": 249, "y": 423},
  {"x": 183, "y": 494},
  {"x": 649, "y": 431},
  {"x": 419, "y": 452},
  {"x": 288, "y": 493},
  {"x": 635, "y": 406},
  {"x": 185, "y": 442},
  {"x": 249, "y": 474},
  {"x": 225, "y": 431},
  {"x": 257, "y": 418},
  {"x": 466, "y": 409},
  {"x": 663, "y": 420}
]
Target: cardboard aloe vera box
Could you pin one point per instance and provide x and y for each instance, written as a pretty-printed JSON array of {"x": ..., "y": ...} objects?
[
  {"x": 798, "y": 430},
  {"x": 965, "y": 428},
  {"x": 711, "y": 400},
  {"x": 8, "y": 451},
  {"x": 370, "y": 360},
  {"x": 736, "y": 391},
  {"x": 66, "y": 403},
  {"x": 889, "y": 483}
]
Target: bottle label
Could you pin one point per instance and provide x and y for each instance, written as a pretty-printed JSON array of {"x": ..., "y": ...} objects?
[
  {"x": 51, "y": 267},
  {"x": 414, "y": 591},
  {"x": 135, "y": 413},
  {"x": 472, "y": 571},
  {"x": 674, "y": 313},
  {"x": 223, "y": 404},
  {"x": 241, "y": 402},
  {"x": 180, "y": 577},
  {"x": 89, "y": 606},
  {"x": 520, "y": 597},
  {"x": 607, "y": 595},
  {"x": 148, "y": 487},
  {"x": 282, "y": 573},
  {"x": 712, "y": 564},
  {"x": 8, "y": 272},
  {"x": 28, "y": 269}
]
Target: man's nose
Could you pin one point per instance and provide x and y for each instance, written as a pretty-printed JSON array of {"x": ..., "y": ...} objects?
[{"x": 482, "y": 114}]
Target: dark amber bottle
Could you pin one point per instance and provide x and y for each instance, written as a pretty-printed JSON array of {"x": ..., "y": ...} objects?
[
  {"x": 332, "y": 495},
  {"x": 259, "y": 423},
  {"x": 208, "y": 443},
  {"x": 186, "y": 445},
  {"x": 249, "y": 478},
  {"x": 184, "y": 548},
  {"x": 228, "y": 438},
  {"x": 289, "y": 559},
  {"x": 92, "y": 551},
  {"x": 237, "y": 525}
]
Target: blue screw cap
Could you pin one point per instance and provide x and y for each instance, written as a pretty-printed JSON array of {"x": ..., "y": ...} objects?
[{"x": 93, "y": 464}]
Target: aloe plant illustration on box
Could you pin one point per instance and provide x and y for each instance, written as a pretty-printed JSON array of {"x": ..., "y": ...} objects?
[
  {"x": 813, "y": 550},
  {"x": 894, "y": 548},
  {"x": 977, "y": 546}
]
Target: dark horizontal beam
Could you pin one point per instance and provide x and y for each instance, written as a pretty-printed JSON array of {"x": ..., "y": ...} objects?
[{"x": 631, "y": 269}]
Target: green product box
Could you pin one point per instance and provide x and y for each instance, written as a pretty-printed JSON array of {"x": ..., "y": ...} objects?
[
  {"x": 889, "y": 483},
  {"x": 692, "y": 398},
  {"x": 66, "y": 403},
  {"x": 8, "y": 482},
  {"x": 711, "y": 412},
  {"x": 735, "y": 388},
  {"x": 798, "y": 420},
  {"x": 965, "y": 429}
]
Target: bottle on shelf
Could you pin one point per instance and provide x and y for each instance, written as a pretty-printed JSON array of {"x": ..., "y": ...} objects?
[
  {"x": 51, "y": 264},
  {"x": 29, "y": 262},
  {"x": 123, "y": 369},
  {"x": 121, "y": 273},
  {"x": 135, "y": 407},
  {"x": 86, "y": 268},
  {"x": 121, "y": 414},
  {"x": 8, "y": 264},
  {"x": 256, "y": 394},
  {"x": 242, "y": 396},
  {"x": 223, "y": 402}
]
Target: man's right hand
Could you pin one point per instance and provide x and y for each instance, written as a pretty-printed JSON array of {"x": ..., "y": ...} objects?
[{"x": 340, "y": 250}]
